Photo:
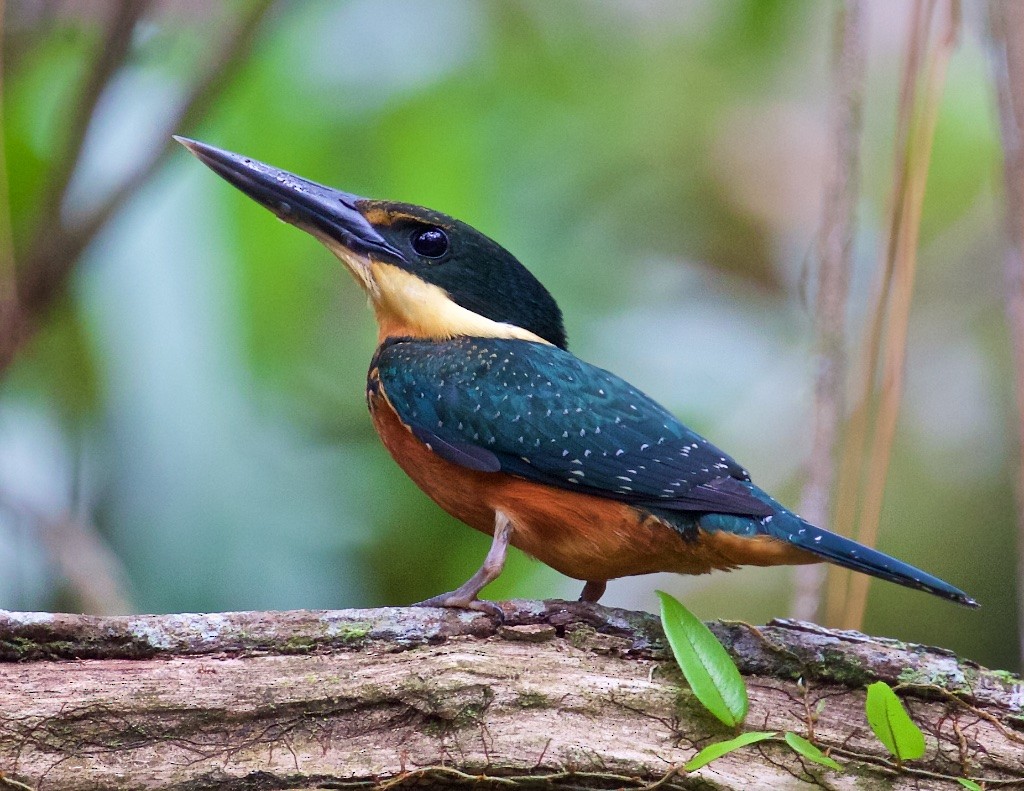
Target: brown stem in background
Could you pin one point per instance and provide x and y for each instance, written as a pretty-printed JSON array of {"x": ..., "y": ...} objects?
[
  {"x": 92, "y": 578},
  {"x": 94, "y": 574},
  {"x": 895, "y": 301},
  {"x": 56, "y": 247},
  {"x": 1007, "y": 32},
  {"x": 835, "y": 253},
  {"x": 850, "y": 469}
]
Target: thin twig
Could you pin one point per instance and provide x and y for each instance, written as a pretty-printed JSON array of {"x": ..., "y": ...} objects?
[
  {"x": 232, "y": 55},
  {"x": 1007, "y": 36},
  {"x": 10, "y": 782},
  {"x": 835, "y": 253},
  {"x": 894, "y": 770},
  {"x": 109, "y": 57},
  {"x": 49, "y": 252}
]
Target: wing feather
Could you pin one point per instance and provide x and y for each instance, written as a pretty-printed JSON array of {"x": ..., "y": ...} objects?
[{"x": 541, "y": 413}]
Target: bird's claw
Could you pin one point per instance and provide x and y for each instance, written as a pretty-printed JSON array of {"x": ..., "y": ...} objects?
[{"x": 456, "y": 602}]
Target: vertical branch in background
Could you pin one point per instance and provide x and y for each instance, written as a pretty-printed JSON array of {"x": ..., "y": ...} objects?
[
  {"x": 903, "y": 249},
  {"x": 851, "y": 468},
  {"x": 835, "y": 253},
  {"x": 1007, "y": 31},
  {"x": 8, "y": 276},
  {"x": 873, "y": 423}
]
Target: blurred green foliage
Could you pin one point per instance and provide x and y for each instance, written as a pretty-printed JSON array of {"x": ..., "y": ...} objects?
[{"x": 198, "y": 395}]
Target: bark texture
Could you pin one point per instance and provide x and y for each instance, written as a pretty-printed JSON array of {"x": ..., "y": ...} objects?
[{"x": 562, "y": 695}]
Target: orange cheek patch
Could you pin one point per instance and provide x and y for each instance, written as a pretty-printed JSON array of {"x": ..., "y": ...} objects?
[{"x": 377, "y": 215}]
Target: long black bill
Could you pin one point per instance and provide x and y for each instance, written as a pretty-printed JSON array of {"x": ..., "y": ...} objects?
[{"x": 306, "y": 204}]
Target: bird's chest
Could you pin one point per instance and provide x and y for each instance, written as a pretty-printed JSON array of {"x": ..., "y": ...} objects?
[{"x": 461, "y": 492}]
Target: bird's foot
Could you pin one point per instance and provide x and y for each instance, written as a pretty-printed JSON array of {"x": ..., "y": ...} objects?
[
  {"x": 459, "y": 601},
  {"x": 465, "y": 596}
]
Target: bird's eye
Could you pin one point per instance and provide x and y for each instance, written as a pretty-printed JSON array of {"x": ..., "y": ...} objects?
[{"x": 430, "y": 242}]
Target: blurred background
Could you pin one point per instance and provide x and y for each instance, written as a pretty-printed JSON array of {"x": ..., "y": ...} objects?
[{"x": 182, "y": 422}]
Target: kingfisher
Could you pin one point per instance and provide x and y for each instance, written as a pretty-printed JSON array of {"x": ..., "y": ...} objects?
[{"x": 476, "y": 396}]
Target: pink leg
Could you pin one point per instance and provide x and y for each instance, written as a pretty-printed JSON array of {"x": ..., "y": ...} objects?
[{"x": 465, "y": 596}]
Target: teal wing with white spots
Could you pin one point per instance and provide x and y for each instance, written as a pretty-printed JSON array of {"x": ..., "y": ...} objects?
[{"x": 540, "y": 413}]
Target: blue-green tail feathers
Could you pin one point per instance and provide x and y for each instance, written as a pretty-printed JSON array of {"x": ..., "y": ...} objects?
[{"x": 787, "y": 526}]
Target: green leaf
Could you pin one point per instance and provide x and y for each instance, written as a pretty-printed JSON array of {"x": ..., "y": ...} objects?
[
  {"x": 718, "y": 749},
  {"x": 891, "y": 723},
  {"x": 969, "y": 784},
  {"x": 708, "y": 668},
  {"x": 810, "y": 752}
]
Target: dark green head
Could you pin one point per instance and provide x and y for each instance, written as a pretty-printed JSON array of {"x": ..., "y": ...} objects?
[{"x": 427, "y": 274}]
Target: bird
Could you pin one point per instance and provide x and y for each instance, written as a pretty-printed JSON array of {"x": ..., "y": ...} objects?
[{"x": 474, "y": 393}]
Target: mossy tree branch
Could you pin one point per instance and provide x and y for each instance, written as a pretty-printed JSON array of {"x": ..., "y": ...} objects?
[{"x": 562, "y": 695}]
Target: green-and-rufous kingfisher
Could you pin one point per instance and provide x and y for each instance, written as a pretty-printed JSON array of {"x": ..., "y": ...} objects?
[{"x": 474, "y": 393}]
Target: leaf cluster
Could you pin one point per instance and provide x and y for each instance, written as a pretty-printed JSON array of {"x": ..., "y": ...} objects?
[{"x": 716, "y": 682}]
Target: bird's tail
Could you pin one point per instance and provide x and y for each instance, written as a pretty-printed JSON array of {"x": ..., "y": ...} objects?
[
  {"x": 845, "y": 552},
  {"x": 788, "y": 527}
]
